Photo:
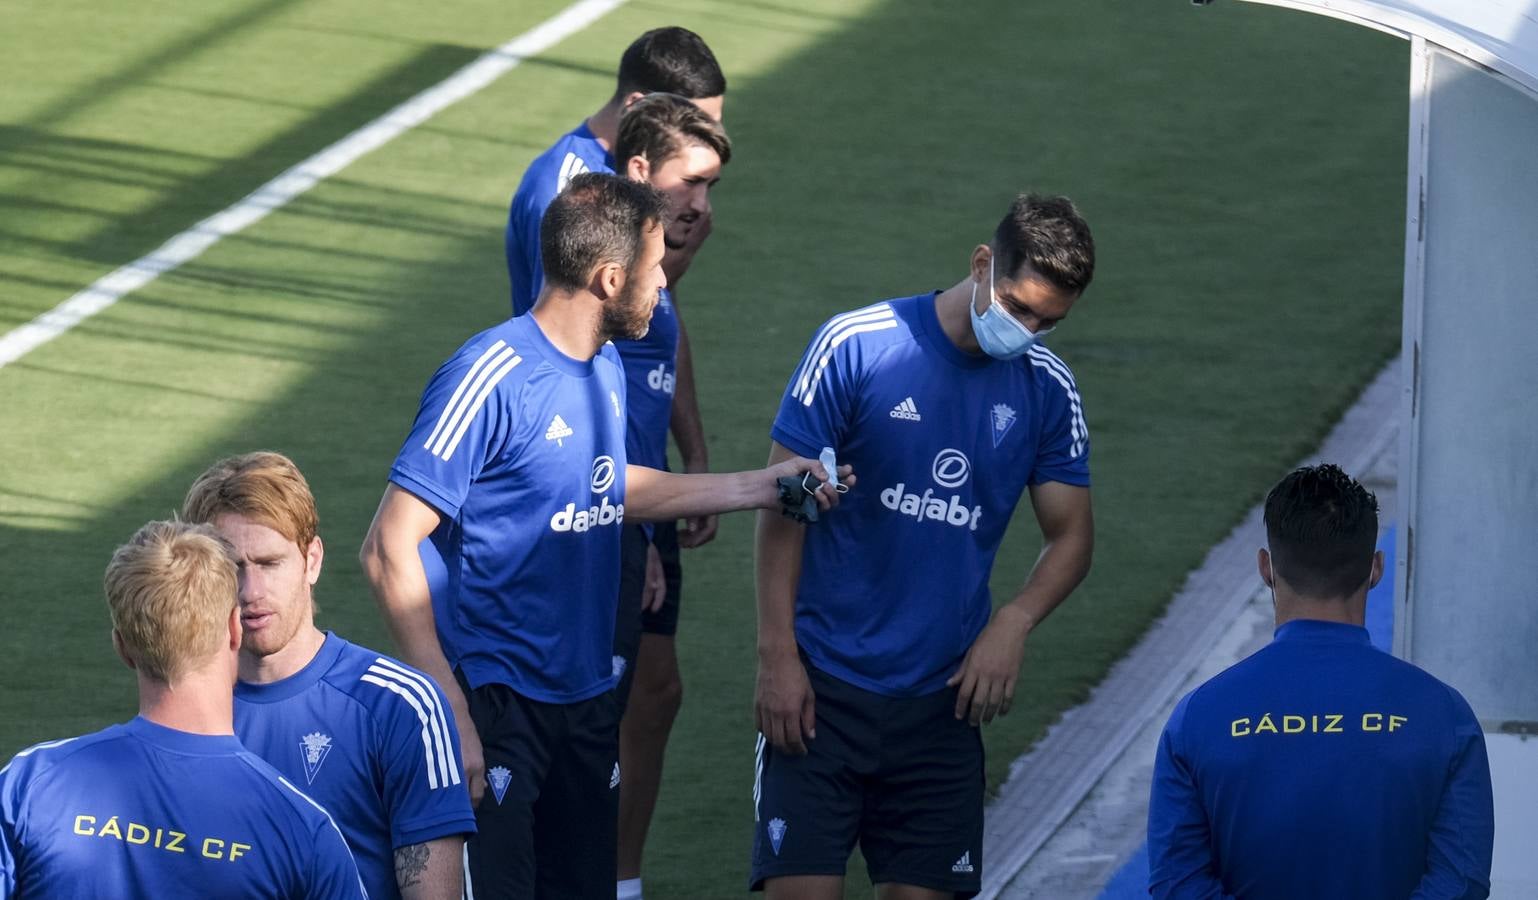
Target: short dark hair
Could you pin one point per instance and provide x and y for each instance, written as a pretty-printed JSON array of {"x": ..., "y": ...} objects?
[
  {"x": 673, "y": 60},
  {"x": 599, "y": 218},
  {"x": 659, "y": 126},
  {"x": 1322, "y": 526},
  {"x": 1048, "y": 235}
]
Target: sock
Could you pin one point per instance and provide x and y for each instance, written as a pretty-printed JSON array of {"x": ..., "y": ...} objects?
[{"x": 629, "y": 889}]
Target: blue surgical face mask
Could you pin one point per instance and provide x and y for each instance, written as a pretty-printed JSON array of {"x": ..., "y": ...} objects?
[{"x": 1000, "y": 334}]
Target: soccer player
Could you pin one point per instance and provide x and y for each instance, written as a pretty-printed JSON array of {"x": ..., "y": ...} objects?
[
  {"x": 675, "y": 61},
  {"x": 1321, "y": 766},
  {"x": 169, "y": 804},
  {"x": 877, "y": 655},
  {"x": 669, "y": 60},
  {"x": 673, "y": 145},
  {"x": 516, "y": 467},
  {"x": 371, "y": 739}
]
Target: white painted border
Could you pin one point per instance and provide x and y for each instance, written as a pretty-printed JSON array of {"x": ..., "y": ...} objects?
[
  {"x": 1410, "y": 338},
  {"x": 190, "y": 244}
]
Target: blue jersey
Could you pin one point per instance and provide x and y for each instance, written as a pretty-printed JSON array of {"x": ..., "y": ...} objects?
[
  {"x": 576, "y": 152},
  {"x": 651, "y": 365},
  {"x": 140, "y": 810},
  {"x": 1321, "y": 767},
  {"x": 521, "y": 450},
  {"x": 894, "y": 585},
  {"x": 371, "y": 740}
]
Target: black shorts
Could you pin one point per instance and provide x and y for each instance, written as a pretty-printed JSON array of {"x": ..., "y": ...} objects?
[
  {"x": 665, "y": 620},
  {"x": 546, "y": 825},
  {"x": 629, "y": 620},
  {"x": 900, "y": 775}
]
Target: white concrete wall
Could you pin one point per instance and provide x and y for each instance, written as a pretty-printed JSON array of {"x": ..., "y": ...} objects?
[
  {"x": 1471, "y": 337},
  {"x": 1514, "y": 770},
  {"x": 1467, "y": 580}
]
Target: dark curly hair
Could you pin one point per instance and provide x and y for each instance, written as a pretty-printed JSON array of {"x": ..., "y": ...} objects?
[{"x": 1323, "y": 527}]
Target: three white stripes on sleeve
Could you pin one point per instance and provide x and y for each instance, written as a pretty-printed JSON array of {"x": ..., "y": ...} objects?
[
  {"x": 420, "y": 695},
  {"x": 469, "y": 397}
]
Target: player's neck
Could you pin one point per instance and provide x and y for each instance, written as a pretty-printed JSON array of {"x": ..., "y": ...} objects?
[
  {"x": 201, "y": 702},
  {"x": 604, "y": 124},
  {"x": 570, "y": 321},
  {"x": 955, "y": 320},
  {"x": 286, "y": 662},
  {"x": 1351, "y": 611}
]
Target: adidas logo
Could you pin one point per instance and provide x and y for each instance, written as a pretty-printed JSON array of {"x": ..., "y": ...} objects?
[
  {"x": 964, "y": 864},
  {"x": 906, "y": 410},
  {"x": 558, "y": 431},
  {"x": 614, "y": 779}
]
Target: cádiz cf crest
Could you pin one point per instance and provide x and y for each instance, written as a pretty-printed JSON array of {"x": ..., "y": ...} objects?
[
  {"x": 776, "y": 834},
  {"x": 499, "y": 777},
  {"x": 1003, "y": 419},
  {"x": 316, "y": 747}
]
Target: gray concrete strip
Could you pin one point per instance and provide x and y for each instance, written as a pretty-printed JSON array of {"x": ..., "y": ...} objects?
[
  {"x": 1086, "y": 852},
  {"x": 1219, "y": 615}
]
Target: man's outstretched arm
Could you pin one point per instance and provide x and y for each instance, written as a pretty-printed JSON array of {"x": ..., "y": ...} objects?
[{"x": 652, "y": 495}]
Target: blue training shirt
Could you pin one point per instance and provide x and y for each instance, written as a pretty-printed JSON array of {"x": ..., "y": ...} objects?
[
  {"x": 521, "y": 450},
  {"x": 576, "y": 152},
  {"x": 651, "y": 369},
  {"x": 1321, "y": 767},
  {"x": 373, "y": 741},
  {"x": 140, "y": 810},
  {"x": 894, "y": 585}
]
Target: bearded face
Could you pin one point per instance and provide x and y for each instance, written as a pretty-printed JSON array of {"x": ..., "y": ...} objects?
[{"x": 628, "y": 314}]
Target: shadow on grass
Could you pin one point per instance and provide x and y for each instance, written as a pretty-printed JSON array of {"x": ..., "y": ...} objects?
[
  {"x": 232, "y": 179},
  {"x": 185, "y": 199},
  {"x": 155, "y": 61},
  {"x": 31, "y": 149}
]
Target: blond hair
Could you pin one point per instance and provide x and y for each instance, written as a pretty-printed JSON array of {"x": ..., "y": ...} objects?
[
  {"x": 264, "y": 487},
  {"x": 170, "y": 590}
]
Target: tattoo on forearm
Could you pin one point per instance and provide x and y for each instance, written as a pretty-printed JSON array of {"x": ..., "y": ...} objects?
[{"x": 410, "y": 863}]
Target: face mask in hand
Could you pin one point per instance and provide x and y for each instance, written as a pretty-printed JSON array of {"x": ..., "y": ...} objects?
[{"x": 1000, "y": 334}]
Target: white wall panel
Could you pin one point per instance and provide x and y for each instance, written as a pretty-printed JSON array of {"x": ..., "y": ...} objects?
[{"x": 1470, "y": 521}]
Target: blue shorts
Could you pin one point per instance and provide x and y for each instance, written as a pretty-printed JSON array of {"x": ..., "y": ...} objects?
[{"x": 900, "y": 775}]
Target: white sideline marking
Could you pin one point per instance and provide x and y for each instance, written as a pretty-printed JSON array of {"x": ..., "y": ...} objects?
[{"x": 188, "y": 245}]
